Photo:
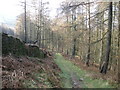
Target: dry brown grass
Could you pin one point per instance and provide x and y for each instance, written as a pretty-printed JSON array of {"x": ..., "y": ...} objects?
[{"x": 16, "y": 70}]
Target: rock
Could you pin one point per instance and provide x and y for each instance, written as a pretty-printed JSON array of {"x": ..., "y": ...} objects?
[{"x": 81, "y": 79}]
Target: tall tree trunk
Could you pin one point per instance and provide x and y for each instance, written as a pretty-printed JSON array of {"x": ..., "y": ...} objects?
[
  {"x": 105, "y": 65},
  {"x": 118, "y": 44},
  {"x": 49, "y": 40},
  {"x": 101, "y": 49},
  {"x": 74, "y": 47},
  {"x": 74, "y": 37},
  {"x": 89, "y": 38},
  {"x": 31, "y": 31},
  {"x": 112, "y": 54},
  {"x": 67, "y": 48},
  {"x": 39, "y": 24},
  {"x": 25, "y": 23}
]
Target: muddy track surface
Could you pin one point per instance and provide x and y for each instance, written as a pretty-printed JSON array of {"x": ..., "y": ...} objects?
[{"x": 76, "y": 82}]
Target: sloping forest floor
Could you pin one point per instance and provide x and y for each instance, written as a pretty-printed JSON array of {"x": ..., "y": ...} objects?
[
  {"x": 27, "y": 72},
  {"x": 50, "y": 72}
]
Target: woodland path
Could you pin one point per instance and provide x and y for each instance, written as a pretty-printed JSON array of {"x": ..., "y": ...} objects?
[
  {"x": 74, "y": 77},
  {"x": 76, "y": 83}
]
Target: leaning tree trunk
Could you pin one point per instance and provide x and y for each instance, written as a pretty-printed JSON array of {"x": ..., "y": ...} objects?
[{"x": 106, "y": 63}]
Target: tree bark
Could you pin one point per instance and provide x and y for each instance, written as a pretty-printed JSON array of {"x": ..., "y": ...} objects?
[
  {"x": 106, "y": 63},
  {"x": 25, "y": 23},
  {"x": 74, "y": 39},
  {"x": 89, "y": 38},
  {"x": 118, "y": 44},
  {"x": 102, "y": 42}
]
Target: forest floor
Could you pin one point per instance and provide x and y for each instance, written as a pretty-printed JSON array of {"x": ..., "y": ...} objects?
[
  {"x": 94, "y": 72},
  {"x": 50, "y": 72},
  {"x": 28, "y": 72}
]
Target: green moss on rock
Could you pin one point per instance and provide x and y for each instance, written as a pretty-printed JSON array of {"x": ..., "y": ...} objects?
[
  {"x": 34, "y": 51},
  {"x": 18, "y": 48}
]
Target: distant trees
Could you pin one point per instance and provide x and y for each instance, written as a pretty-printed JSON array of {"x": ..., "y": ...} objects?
[
  {"x": 33, "y": 30},
  {"x": 20, "y": 28}
]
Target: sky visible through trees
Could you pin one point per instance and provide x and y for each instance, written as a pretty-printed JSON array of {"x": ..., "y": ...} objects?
[{"x": 10, "y": 11}]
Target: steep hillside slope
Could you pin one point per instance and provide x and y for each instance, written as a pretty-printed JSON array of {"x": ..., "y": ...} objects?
[{"x": 27, "y": 72}]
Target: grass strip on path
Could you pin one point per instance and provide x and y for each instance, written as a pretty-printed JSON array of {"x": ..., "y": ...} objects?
[{"x": 69, "y": 68}]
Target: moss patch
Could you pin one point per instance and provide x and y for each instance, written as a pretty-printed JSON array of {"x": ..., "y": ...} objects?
[{"x": 18, "y": 48}]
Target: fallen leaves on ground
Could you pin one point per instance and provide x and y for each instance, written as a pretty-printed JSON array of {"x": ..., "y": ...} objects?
[{"x": 18, "y": 71}]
